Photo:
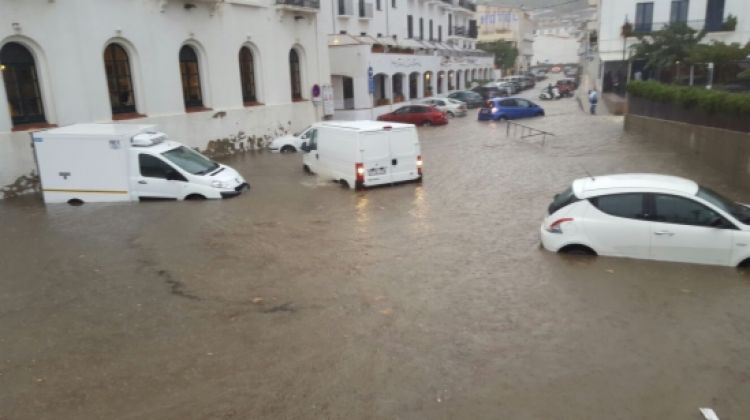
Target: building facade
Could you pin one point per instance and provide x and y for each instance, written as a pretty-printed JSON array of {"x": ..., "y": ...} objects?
[
  {"x": 384, "y": 53},
  {"x": 613, "y": 50},
  {"x": 199, "y": 69},
  {"x": 503, "y": 23}
]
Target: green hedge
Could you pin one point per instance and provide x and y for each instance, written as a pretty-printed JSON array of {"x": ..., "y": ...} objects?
[{"x": 710, "y": 101}]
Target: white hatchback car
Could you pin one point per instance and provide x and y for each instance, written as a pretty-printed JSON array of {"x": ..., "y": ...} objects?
[
  {"x": 648, "y": 216},
  {"x": 451, "y": 107},
  {"x": 290, "y": 143}
]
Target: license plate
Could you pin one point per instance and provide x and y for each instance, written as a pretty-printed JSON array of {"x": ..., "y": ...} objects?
[
  {"x": 484, "y": 111},
  {"x": 376, "y": 171}
]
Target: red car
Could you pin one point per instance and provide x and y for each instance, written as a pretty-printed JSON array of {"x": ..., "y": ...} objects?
[{"x": 416, "y": 114}]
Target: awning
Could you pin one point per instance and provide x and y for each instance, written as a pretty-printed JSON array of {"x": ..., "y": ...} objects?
[
  {"x": 386, "y": 40},
  {"x": 410, "y": 43},
  {"x": 342, "y": 39},
  {"x": 366, "y": 39}
]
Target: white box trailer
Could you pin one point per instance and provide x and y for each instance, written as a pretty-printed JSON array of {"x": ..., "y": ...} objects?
[
  {"x": 364, "y": 153},
  {"x": 125, "y": 162}
]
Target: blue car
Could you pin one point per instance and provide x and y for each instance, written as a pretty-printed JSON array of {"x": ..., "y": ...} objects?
[{"x": 508, "y": 109}]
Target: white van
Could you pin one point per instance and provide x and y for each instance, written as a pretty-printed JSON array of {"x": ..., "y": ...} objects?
[
  {"x": 363, "y": 153},
  {"x": 125, "y": 162}
]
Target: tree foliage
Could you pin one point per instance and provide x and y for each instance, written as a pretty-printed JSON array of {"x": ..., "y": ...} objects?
[
  {"x": 505, "y": 52},
  {"x": 662, "y": 49}
]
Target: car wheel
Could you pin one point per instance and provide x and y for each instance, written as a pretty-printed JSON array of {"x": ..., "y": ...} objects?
[
  {"x": 450, "y": 114},
  {"x": 540, "y": 114},
  {"x": 306, "y": 169},
  {"x": 501, "y": 118},
  {"x": 577, "y": 250},
  {"x": 288, "y": 149},
  {"x": 428, "y": 122}
]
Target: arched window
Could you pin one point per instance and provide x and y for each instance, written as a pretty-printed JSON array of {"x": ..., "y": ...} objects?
[
  {"x": 191, "y": 77},
  {"x": 120, "y": 84},
  {"x": 295, "y": 76},
  {"x": 247, "y": 76},
  {"x": 21, "y": 84}
]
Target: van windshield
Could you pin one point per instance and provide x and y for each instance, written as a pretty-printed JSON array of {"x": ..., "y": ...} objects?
[{"x": 190, "y": 160}]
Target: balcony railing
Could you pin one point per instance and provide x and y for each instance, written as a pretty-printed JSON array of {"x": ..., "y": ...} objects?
[
  {"x": 464, "y": 31},
  {"x": 698, "y": 25},
  {"x": 305, "y": 4},
  {"x": 466, "y": 4}
]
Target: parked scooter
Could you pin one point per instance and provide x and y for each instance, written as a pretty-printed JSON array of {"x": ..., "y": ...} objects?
[{"x": 548, "y": 94}]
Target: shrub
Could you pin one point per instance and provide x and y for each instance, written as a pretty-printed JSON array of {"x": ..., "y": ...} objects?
[{"x": 710, "y": 101}]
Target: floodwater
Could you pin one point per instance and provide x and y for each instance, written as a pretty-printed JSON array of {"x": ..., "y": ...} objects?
[{"x": 301, "y": 299}]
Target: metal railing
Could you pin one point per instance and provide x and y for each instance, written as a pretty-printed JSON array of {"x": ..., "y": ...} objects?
[
  {"x": 466, "y": 4},
  {"x": 525, "y": 131},
  {"x": 464, "y": 31},
  {"x": 308, "y": 4}
]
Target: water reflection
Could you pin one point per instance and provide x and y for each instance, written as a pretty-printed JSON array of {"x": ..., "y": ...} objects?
[
  {"x": 363, "y": 213},
  {"x": 421, "y": 210}
]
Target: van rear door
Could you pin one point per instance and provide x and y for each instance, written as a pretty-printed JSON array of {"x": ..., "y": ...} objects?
[
  {"x": 404, "y": 145},
  {"x": 376, "y": 157}
]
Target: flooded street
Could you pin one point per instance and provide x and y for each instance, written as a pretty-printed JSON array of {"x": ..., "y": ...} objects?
[{"x": 302, "y": 299}]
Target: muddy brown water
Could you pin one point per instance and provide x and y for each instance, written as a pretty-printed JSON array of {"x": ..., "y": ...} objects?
[{"x": 301, "y": 299}]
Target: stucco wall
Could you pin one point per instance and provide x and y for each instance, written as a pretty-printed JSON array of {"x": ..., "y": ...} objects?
[
  {"x": 68, "y": 38},
  {"x": 725, "y": 150}
]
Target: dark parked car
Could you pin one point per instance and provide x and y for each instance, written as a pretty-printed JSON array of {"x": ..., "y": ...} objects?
[
  {"x": 508, "y": 109},
  {"x": 471, "y": 99},
  {"x": 489, "y": 92},
  {"x": 416, "y": 114}
]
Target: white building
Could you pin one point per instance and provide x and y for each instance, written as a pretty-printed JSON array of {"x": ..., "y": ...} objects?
[
  {"x": 647, "y": 16},
  {"x": 555, "y": 49},
  {"x": 503, "y": 23},
  {"x": 385, "y": 52},
  {"x": 200, "y": 69}
]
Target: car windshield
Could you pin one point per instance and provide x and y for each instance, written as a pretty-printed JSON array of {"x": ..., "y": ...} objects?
[
  {"x": 190, "y": 160},
  {"x": 299, "y": 133},
  {"x": 740, "y": 212}
]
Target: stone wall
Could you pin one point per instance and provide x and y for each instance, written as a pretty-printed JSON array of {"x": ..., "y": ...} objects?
[{"x": 725, "y": 150}]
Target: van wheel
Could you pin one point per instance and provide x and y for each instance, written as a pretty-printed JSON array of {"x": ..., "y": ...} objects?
[
  {"x": 306, "y": 169},
  {"x": 288, "y": 149},
  {"x": 344, "y": 184},
  {"x": 744, "y": 266},
  {"x": 195, "y": 197},
  {"x": 75, "y": 202}
]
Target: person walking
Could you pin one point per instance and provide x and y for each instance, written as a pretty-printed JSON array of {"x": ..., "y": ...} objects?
[{"x": 593, "y": 99}]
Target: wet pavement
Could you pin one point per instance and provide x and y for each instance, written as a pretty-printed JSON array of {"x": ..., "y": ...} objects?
[{"x": 301, "y": 299}]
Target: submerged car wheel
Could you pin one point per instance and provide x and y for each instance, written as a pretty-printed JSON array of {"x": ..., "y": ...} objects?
[
  {"x": 306, "y": 169},
  {"x": 288, "y": 149},
  {"x": 577, "y": 250},
  {"x": 450, "y": 114}
]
